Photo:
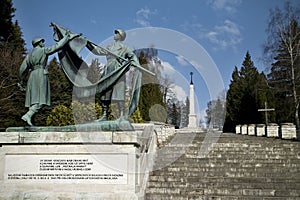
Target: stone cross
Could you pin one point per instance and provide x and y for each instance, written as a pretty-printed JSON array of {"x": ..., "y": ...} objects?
[
  {"x": 266, "y": 110},
  {"x": 191, "y": 73}
]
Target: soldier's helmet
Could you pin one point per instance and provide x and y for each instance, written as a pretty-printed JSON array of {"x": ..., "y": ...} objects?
[
  {"x": 122, "y": 34},
  {"x": 37, "y": 40}
]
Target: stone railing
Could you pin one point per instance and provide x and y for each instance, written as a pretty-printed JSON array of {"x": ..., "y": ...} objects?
[
  {"x": 163, "y": 131},
  {"x": 284, "y": 131}
]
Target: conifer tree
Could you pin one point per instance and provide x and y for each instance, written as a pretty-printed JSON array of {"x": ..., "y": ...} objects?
[
  {"x": 10, "y": 32},
  {"x": 185, "y": 111},
  {"x": 12, "y": 49},
  {"x": 247, "y": 93},
  {"x": 248, "y": 79},
  {"x": 151, "y": 94},
  {"x": 284, "y": 46}
]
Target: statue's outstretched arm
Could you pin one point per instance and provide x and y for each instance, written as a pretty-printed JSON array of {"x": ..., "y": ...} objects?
[
  {"x": 60, "y": 44},
  {"x": 97, "y": 50}
]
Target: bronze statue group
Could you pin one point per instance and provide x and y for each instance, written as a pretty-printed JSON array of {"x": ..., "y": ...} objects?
[{"x": 112, "y": 85}]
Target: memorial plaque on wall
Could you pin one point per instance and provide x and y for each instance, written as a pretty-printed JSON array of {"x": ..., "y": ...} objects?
[{"x": 67, "y": 168}]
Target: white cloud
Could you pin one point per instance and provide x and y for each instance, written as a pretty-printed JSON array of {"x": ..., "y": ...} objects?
[
  {"x": 93, "y": 21},
  {"x": 168, "y": 68},
  {"x": 196, "y": 64},
  {"x": 222, "y": 36},
  {"x": 177, "y": 79},
  {"x": 180, "y": 93},
  {"x": 192, "y": 26},
  {"x": 143, "y": 16},
  {"x": 182, "y": 61},
  {"x": 228, "y": 6},
  {"x": 226, "y": 35},
  {"x": 229, "y": 27}
]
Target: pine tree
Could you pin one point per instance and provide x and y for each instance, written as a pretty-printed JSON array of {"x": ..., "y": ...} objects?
[
  {"x": 233, "y": 101},
  {"x": 12, "y": 100},
  {"x": 10, "y": 32},
  {"x": 174, "y": 115},
  {"x": 248, "y": 88},
  {"x": 247, "y": 93},
  {"x": 12, "y": 48},
  {"x": 94, "y": 73},
  {"x": 215, "y": 113},
  {"x": 174, "y": 111},
  {"x": 265, "y": 95},
  {"x": 185, "y": 111},
  {"x": 283, "y": 50},
  {"x": 151, "y": 94},
  {"x": 284, "y": 78}
]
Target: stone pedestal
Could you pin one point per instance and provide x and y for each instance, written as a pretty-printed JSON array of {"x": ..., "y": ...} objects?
[
  {"x": 76, "y": 165},
  {"x": 238, "y": 129},
  {"x": 272, "y": 130},
  {"x": 251, "y": 129},
  {"x": 192, "y": 121},
  {"x": 260, "y": 130},
  {"x": 288, "y": 131},
  {"x": 244, "y": 129}
]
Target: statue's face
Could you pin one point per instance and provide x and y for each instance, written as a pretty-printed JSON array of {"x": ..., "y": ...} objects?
[
  {"x": 42, "y": 44},
  {"x": 117, "y": 37}
]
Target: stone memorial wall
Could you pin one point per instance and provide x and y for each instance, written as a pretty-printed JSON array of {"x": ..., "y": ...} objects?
[
  {"x": 76, "y": 165},
  {"x": 272, "y": 130}
]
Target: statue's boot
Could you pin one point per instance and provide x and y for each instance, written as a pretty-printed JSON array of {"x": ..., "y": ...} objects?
[
  {"x": 27, "y": 117},
  {"x": 33, "y": 109},
  {"x": 105, "y": 107}
]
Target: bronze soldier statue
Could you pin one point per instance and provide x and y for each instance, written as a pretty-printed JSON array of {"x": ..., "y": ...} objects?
[
  {"x": 38, "y": 86},
  {"x": 117, "y": 93}
]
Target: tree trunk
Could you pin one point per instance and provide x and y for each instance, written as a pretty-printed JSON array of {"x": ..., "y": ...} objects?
[{"x": 296, "y": 102}]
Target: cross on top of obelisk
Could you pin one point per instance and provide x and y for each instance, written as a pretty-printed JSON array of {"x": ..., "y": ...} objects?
[{"x": 191, "y": 73}]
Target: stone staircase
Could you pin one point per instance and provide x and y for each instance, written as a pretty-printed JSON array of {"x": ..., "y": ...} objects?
[{"x": 233, "y": 167}]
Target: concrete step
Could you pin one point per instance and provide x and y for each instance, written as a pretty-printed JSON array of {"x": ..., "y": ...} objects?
[{"x": 235, "y": 167}]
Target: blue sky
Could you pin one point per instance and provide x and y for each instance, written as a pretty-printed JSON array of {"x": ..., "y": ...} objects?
[{"x": 224, "y": 29}]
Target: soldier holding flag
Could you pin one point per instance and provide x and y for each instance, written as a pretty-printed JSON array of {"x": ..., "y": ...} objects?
[{"x": 38, "y": 86}]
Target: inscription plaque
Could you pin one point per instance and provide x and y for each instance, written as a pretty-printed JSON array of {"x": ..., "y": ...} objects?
[{"x": 67, "y": 168}]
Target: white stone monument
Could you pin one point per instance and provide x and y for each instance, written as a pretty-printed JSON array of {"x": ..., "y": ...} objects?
[
  {"x": 244, "y": 129},
  {"x": 288, "y": 131},
  {"x": 192, "y": 115},
  {"x": 260, "y": 130},
  {"x": 251, "y": 129},
  {"x": 272, "y": 130},
  {"x": 238, "y": 129}
]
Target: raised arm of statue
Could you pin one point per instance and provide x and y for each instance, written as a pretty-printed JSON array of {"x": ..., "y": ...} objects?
[{"x": 69, "y": 36}]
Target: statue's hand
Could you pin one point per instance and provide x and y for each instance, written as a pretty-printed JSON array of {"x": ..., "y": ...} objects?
[
  {"x": 21, "y": 87},
  {"x": 71, "y": 35},
  {"x": 128, "y": 56},
  {"x": 52, "y": 24}
]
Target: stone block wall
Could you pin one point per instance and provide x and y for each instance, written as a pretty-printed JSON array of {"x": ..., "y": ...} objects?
[{"x": 272, "y": 130}]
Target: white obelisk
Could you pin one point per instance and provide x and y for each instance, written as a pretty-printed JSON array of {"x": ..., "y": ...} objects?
[{"x": 192, "y": 115}]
